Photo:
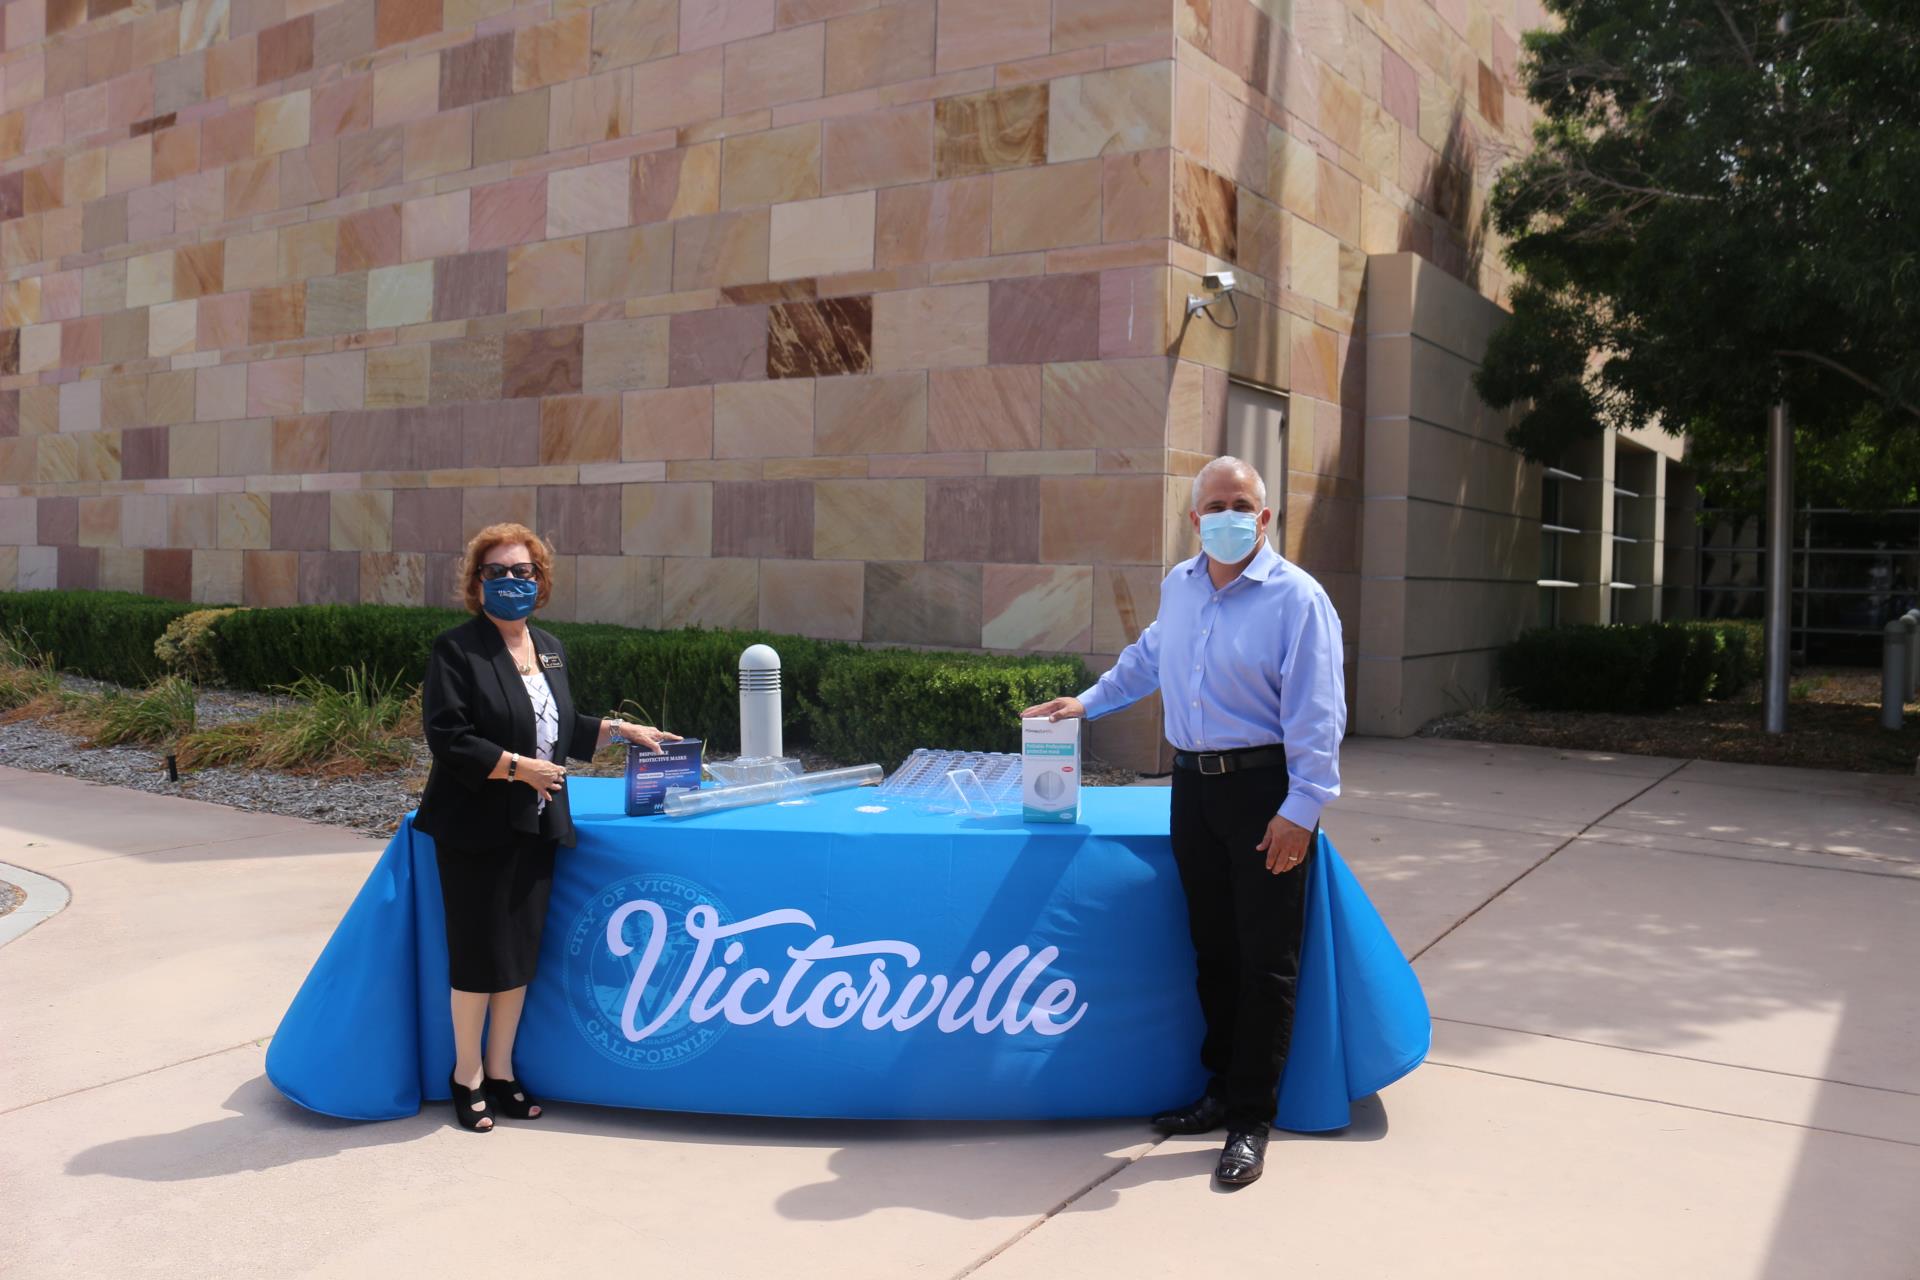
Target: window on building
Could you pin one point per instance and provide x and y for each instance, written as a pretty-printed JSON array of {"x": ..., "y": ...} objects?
[{"x": 1555, "y": 530}]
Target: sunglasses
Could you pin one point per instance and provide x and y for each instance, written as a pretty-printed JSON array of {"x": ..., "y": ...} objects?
[{"x": 494, "y": 572}]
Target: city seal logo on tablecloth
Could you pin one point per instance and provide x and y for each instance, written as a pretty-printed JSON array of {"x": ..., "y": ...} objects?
[
  {"x": 657, "y": 968},
  {"x": 624, "y": 967}
]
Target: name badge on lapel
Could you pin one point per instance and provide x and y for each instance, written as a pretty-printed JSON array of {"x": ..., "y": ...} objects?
[{"x": 549, "y": 661}]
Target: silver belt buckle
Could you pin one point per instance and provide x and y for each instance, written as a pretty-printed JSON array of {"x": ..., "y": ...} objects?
[{"x": 1217, "y": 758}]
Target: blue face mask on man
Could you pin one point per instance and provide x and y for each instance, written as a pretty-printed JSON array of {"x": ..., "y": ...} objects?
[
  {"x": 1229, "y": 536},
  {"x": 509, "y": 599}
]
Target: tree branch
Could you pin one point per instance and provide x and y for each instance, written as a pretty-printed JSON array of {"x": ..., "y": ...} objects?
[
  {"x": 1733, "y": 30},
  {"x": 1827, "y": 362}
]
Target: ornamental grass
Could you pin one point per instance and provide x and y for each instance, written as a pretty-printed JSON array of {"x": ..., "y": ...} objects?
[{"x": 363, "y": 725}]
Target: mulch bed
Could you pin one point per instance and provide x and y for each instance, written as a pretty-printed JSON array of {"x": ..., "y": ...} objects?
[{"x": 1833, "y": 722}]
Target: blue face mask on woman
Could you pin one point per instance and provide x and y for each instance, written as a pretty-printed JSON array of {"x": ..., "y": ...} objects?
[
  {"x": 1229, "y": 536},
  {"x": 509, "y": 599}
]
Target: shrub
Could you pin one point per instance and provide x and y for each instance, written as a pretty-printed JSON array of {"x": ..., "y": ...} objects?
[
  {"x": 159, "y": 714},
  {"x": 879, "y": 705},
  {"x": 267, "y": 649},
  {"x": 1648, "y": 666},
  {"x": 108, "y": 635},
  {"x": 188, "y": 646},
  {"x": 1585, "y": 668}
]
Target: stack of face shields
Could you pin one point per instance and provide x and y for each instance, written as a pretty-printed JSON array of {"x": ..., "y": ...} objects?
[
  {"x": 978, "y": 784},
  {"x": 688, "y": 801}
]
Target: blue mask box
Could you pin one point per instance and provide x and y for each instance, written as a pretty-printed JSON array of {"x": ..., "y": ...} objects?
[{"x": 649, "y": 776}]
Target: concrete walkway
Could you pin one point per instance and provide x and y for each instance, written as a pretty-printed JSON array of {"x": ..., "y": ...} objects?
[{"x": 1676, "y": 1036}]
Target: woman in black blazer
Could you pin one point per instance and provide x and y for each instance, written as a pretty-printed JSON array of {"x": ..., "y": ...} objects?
[{"x": 501, "y": 725}]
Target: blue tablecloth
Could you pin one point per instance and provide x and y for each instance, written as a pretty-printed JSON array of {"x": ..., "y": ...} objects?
[{"x": 847, "y": 958}]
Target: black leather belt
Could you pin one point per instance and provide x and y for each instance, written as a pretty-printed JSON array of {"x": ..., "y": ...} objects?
[{"x": 1216, "y": 762}]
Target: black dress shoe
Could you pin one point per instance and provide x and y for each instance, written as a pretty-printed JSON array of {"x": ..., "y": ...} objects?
[
  {"x": 1202, "y": 1116},
  {"x": 1244, "y": 1158}
]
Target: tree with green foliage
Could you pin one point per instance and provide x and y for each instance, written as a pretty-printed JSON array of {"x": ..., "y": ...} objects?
[{"x": 1721, "y": 212}]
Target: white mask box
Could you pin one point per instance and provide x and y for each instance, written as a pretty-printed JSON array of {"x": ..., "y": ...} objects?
[{"x": 1049, "y": 770}]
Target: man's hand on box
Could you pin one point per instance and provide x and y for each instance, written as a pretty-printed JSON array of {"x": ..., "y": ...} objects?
[{"x": 1056, "y": 709}]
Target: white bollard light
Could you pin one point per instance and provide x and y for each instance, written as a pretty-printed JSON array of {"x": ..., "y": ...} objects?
[{"x": 760, "y": 703}]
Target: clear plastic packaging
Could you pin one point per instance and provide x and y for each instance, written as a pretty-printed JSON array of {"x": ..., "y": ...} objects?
[
  {"x": 686, "y": 802},
  {"x": 750, "y": 769}
]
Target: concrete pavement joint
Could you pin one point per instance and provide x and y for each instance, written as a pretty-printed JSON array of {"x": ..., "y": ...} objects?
[
  {"x": 45, "y": 899},
  {"x": 1544, "y": 860},
  {"x": 1661, "y": 1053},
  {"x": 1058, "y": 1209},
  {"x": 1602, "y": 837},
  {"x": 107, "y": 1084},
  {"x": 1677, "y": 1106}
]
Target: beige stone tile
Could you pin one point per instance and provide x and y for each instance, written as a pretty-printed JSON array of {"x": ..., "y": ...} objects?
[
  {"x": 624, "y": 354},
  {"x": 630, "y": 31},
  {"x": 171, "y": 329},
  {"x": 1103, "y": 112},
  {"x": 668, "y": 185},
  {"x": 400, "y": 295},
  {"x": 1136, "y": 198},
  {"x": 439, "y": 144},
  {"x": 771, "y": 167},
  {"x": 869, "y": 519},
  {"x": 667, "y": 424},
  {"x": 280, "y": 124},
  {"x": 1111, "y": 519},
  {"x": 884, "y": 413},
  {"x": 979, "y": 33},
  {"x": 243, "y": 521},
  {"x": 552, "y": 273},
  {"x": 393, "y": 577},
  {"x": 763, "y": 419},
  {"x": 678, "y": 91},
  {"x": 398, "y": 377},
  {"x": 930, "y": 328},
  {"x": 548, "y": 52},
  {"x": 822, "y": 237},
  {"x": 336, "y": 381},
  {"x": 434, "y": 226},
  {"x": 1036, "y": 607},
  {"x": 619, "y": 589},
  {"x": 408, "y": 90},
  {"x": 984, "y": 132},
  {"x": 1125, "y": 602},
  {"x": 709, "y": 593},
  {"x": 1313, "y": 266},
  {"x": 510, "y": 128},
  {"x": 630, "y": 262},
  {"x": 360, "y": 520},
  {"x": 767, "y": 71},
  {"x": 995, "y": 407},
  {"x": 877, "y": 148},
  {"x": 934, "y": 222},
  {"x": 1046, "y": 207},
  {"x": 721, "y": 249},
  {"x": 150, "y": 279},
  {"x": 1105, "y": 404},
  {"x": 818, "y": 598},
  {"x": 593, "y": 197},
  {"x": 246, "y": 448},
  {"x": 583, "y": 112},
  {"x": 666, "y": 519}
]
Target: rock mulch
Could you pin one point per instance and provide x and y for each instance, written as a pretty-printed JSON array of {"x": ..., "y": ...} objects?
[{"x": 11, "y": 896}]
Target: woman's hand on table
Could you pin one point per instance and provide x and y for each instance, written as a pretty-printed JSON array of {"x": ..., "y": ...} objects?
[
  {"x": 643, "y": 735},
  {"x": 544, "y": 776}
]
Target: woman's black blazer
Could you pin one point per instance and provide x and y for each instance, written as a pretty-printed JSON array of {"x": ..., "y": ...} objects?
[{"x": 475, "y": 706}]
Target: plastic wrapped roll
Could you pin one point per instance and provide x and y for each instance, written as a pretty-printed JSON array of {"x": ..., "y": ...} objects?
[{"x": 684, "y": 804}]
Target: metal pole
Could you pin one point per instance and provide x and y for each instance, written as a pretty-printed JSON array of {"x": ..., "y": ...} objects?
[
  {"x": 1896, "y": 639},
  {"x": 1779, "y": 565},
  {"x": 1913, "y": 659}
]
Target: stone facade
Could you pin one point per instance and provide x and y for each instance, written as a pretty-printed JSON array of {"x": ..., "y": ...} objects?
[{"x": 851, "y": 319}]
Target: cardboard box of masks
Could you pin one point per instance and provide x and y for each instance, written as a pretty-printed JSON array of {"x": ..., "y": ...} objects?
[
  {"x": 1049, "y": 770},
  {"x": 649, "y": 776}
]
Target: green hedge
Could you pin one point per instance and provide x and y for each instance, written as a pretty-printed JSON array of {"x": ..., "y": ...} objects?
[
  {"x": 107, "y": 635},
  {"x": 1648, "y": 666},
  {"x": 852, "y": 703},
  {"x": 880, "y": 704}
]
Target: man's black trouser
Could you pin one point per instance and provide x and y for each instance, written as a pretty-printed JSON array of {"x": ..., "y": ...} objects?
[{"x": 1246, "y": 924}]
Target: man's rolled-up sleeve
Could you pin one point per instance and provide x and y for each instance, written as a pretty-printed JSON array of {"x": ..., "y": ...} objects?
[
  {"x": 1313, "y": 713},
  {"x": 446, "y": 711},
  {"x": 1134, "y": 675}
]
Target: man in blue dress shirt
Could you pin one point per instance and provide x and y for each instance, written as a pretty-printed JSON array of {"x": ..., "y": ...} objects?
[{"x": 1247, "y": 657}]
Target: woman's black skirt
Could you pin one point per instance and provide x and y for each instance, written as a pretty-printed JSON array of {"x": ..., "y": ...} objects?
[{"x": 496, "y": 901}]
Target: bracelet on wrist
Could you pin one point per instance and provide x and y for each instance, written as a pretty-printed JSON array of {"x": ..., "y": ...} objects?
[{"x": 513, "y": 765}]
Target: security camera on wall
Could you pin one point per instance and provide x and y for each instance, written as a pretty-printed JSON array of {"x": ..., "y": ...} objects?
[
  {"x": 1218, "y": 281},
  {"x": 1219, "y": 285}
]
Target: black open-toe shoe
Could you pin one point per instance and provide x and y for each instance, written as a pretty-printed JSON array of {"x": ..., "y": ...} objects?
[
  {"x": 512, "y": 1098},
  {"x": 463, "y": 1108}
]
